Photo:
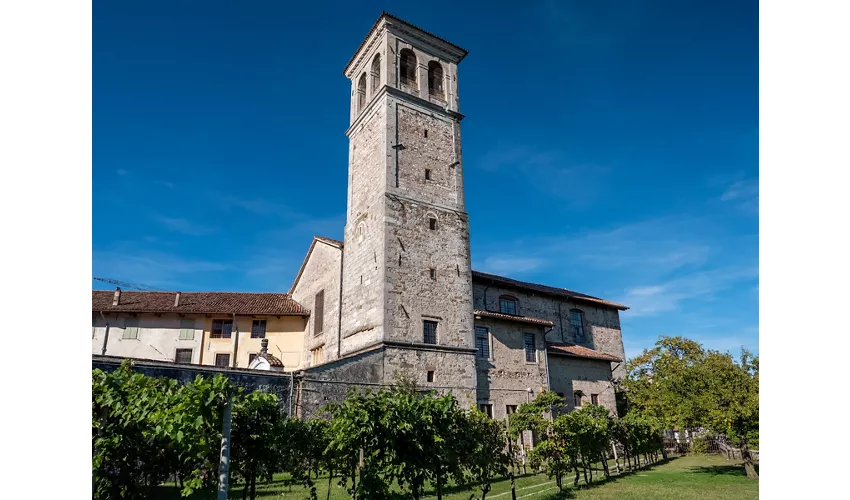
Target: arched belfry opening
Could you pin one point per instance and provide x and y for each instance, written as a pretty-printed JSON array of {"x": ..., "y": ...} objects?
[
  {"x": 376, "y": 73},
  {"x": 407, "y": 67},
  {"x": 435, "y": 80},
  {"x": 361, "y": 92}
]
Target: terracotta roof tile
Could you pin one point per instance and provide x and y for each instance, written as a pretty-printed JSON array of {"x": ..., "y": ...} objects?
[
  {"x": 579, "y": 351},
  {"x": 511, "y": 317},
  {"x": 551, "y": 290},
  {"x": 199, "y": 303}
]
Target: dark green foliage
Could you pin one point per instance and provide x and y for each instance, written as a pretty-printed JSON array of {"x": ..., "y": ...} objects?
[
  {"x": 145, "y": 430},
  {"x": 256, "y": 431}
]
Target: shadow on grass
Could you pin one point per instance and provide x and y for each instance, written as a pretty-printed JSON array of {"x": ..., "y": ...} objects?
[{"x": 723, "y": 470}]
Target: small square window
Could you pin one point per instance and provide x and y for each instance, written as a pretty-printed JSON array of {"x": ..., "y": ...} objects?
[
  {"x": 577, "y": 399},
  {"x": 427, "y": 174},
  {"x": 432, "y": 273},
  {"x": 594, "y": 399},
  {"x": 430, "y": 376},
  {"x": 183, "y": 356},
  {"x": 222, "y": 360},
  {"x": 432, "y": 223},
  {"x": 510, "y": 409}
]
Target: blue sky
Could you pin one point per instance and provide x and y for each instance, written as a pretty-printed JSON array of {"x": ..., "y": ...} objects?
[{"x": 609, "y": 147}]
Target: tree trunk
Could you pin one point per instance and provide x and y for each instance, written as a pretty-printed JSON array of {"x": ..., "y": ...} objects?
[
  {"x": 513, "y": 464},
  {"x": 605, "y": 466},
  {"x": 575, "y": 468},
  {"x": 439, "y": 482},
  {"x": 245, "y": 491},
  {"x": 253, "y": 486},
  {"x": 664, "y": 453},
  {"x": 584, "y": 469},
  {"x": 330, "y": 478},
  {"x": 748, "y": 462}
]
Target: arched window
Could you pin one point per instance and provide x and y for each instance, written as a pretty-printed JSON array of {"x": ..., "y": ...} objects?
[
  {"x": 407, "y": 69},
  {"x": 361, "y": 92},
  {"x": 577, "y": 399},
  {"x": 508, "y": 305},
  {"x": 577, "y": 324},
  {"x": 376, "y": 73},
  {"x": 435, "y": 80}
]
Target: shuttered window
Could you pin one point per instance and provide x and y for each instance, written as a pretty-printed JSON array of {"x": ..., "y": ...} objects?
[
  {"x": 131, "y": 328},
  {"x": 221, "y": 328},
  {"x": 258, "y": 329},
  {"x": 319, "y": 313},
  {"x": 187, "y": 329}
]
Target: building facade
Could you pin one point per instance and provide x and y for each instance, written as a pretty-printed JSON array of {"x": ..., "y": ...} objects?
[{"x": 398, "y": 295}]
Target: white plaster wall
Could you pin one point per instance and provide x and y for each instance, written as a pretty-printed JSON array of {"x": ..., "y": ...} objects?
[{"x": 158, "y": 339}]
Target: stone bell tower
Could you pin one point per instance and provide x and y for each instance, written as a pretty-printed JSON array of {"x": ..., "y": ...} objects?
[{"x": 407, "y": 284}]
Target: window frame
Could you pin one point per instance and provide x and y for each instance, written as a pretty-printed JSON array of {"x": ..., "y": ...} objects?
[
  {"x": 594, "y": 399},
  {"x": 182, "y": 350},
  {"x": 256, "y": 322},
  {"x": 218, "y": 356},
  {"x": 577, "y": 399},
  {"x": 577, "y": 331},
  {"x": 525, "y": 338},
  {"x": 252, "y": 356},
  {"x": 375, "y": 71},
  {"x": 361, "y": 92},
  {"x": 317, "y": 355},
  {"x": 488, "y": 340},
  {"x": 131, "y": 329},
  {"x": 187, "y": 332},
  {"x": 221, "y": 335},
  {"x": 504, "y": 299},
  {"x": 436, "y": 325},
  {"x": 510, "y": 409},
  {"x": 429, "y": 376},
  {"x": 487, "y": 409},
  {"x": 319, "y": 312}
]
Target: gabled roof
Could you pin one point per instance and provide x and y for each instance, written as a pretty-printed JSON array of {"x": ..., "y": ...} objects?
[
  {"x": 511, "y": 317},
  {"x": 567, "y": 349},
  {"x": 549, "y": 290},
  {"x": 277, "y": 304},
  {"x": 328, "y": 241}
]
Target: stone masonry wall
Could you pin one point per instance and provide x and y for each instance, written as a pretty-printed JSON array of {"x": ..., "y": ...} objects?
[
  {"x": 569, "y": 374},
  {"x": 601, "y": 325},
  {"x": 321, "y": 272},
  {"x": 363, "y": 288},
  {"x": 504, "y": 378}
]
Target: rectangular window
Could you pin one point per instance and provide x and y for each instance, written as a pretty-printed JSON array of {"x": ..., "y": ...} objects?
[
  {"x": 430, "y": 376},
  {"x": 577, "y": 325},
  {"x": 426, "y": 133},
  {"x": 432, "y": 223},
  {"x": 319, "y": 312},
  {"x": 251, "y": 357},
  {"x": 510, "y": 409},
  {"x": 258, "y": 329},
  {"x": 530, "y": 349},
  {"x": 131, "y": 328},
  {"x": 183, "y": 356},
  {"x": 487, "y": 409},
  {"x": 221, "y": 328},
  {"x": 430, "y": 332},
  {"x": 594, "y": 399},
  {"x": 222, "y": 360},
  {"x": 187, "y": 329},
  {"x": 317, "y": 355},
  {"x": 482, "y": 342},
  {"x": 427, "y": 174},
  {"x": 507, "y": 306},
  {"x": 432, "y": 273},
  {"x": 577, "y": 399}
]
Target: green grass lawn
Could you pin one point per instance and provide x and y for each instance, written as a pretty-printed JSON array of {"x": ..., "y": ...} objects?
[{"x": 698, "y": 477}]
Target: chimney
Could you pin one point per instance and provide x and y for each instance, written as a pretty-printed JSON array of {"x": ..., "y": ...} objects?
[
  {"x": 264, "y": 347},
  {"x": 117, "y": 297},
  {"x": 177, "y": 299}
]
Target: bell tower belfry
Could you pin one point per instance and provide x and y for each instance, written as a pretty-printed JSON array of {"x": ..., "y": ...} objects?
[{"x": 407, "y": 283}]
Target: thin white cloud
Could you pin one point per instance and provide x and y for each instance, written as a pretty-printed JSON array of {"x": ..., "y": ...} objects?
[
  {"x": 152, "y": 268},
  {"x": 510, "y": 265},
  {"x": 183, "y": 226},
  {"x": 121, "y": 172}
]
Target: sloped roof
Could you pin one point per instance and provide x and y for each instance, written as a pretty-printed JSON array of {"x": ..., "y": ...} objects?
[
  {"x": 549, "y": 290},
  {"x": 279, "y": 304},
  {"x": 511, "y": 317},
  {"x": 567, "y": 349},
  {"x": 328, "y": 241}
]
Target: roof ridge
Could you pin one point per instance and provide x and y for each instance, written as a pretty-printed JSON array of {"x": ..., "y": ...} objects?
[{"x": 184, "y": 292}]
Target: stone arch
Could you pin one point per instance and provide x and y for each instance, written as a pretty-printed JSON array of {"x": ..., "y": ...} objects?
[
  {"x": 436, "y": 79},
  {"x": 407, "y": 67}
]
